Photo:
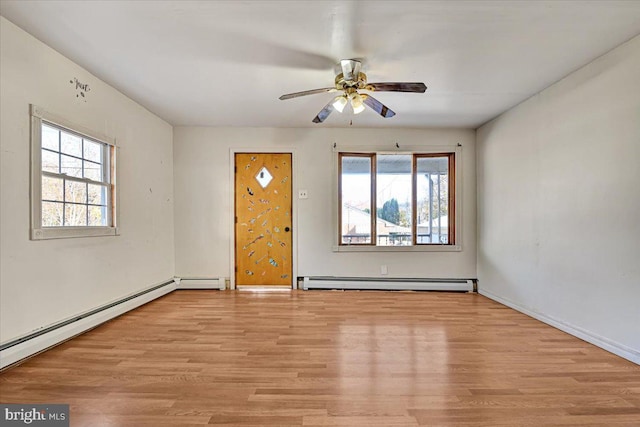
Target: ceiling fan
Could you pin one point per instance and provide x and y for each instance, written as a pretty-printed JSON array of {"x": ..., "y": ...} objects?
[{"x": 349, "y": 82}]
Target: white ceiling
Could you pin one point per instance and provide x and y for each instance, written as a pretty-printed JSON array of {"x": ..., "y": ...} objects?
[{"x": 225, "y": 63}]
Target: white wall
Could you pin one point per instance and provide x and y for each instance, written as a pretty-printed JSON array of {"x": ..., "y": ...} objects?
[
  {"x": 46, "y": 281},
  {"x": 559, "y": 203},
  {"x": 203, "y": 205}
]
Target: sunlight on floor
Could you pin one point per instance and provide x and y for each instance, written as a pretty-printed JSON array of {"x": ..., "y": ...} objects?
[{"x": 264, "y": 288}]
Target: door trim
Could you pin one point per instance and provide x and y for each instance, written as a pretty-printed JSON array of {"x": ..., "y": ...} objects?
[{"x": 294, "y": 209}]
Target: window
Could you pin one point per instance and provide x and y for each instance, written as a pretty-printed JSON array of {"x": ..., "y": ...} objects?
[
  {"x": 396, "y": 199},
  {"x": 72, "y": 181}
]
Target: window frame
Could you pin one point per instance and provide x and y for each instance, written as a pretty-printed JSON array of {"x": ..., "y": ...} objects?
[
  {"x": 451, "y": 174},
  {"x": 372, "y": 203},
  {"x": 454, "y": 152},
  {"x": 39, "y": 232}
]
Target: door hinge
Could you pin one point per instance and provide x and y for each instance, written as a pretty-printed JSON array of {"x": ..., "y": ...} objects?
[
  {"x": 235, "y": 169},
  {"x": 236, "y": 220},
  {"x": 236, "y": 269}
]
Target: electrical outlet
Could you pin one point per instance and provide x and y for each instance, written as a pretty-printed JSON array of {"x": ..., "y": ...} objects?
[
  {"x": 383, "y": 270},
  {"x": 303, "y": 194}
]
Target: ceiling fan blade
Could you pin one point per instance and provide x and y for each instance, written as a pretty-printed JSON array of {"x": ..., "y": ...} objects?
[
  {"x": 377, "y": 106},
  {"x": 397, "y": 87},
  {"x": 324, "y": 113},
  {"x": 308, "y": 92},
  {"x": 350, "y": 69}
]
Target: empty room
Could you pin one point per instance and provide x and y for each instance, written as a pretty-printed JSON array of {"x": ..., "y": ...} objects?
[{"x": 313, "y": 213}]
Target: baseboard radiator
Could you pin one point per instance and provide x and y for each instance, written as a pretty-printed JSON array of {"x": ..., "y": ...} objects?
[
  {"x": 15, "y": 350},
  {"x": 388, "y": 284},
  {"x": 201, "y": 283}
]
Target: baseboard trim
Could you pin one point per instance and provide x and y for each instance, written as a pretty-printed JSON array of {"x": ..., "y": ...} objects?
[
  {"x": 16, "y": 350},
  {"x": 588, "y": 336}
]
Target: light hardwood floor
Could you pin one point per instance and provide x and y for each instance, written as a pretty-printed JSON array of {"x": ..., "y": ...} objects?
[{"x": 321, "y": 358}]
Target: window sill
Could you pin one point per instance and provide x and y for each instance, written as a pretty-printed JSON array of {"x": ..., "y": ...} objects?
[
  {"x": 421, "y": 248},
  {"x": 72, "y": 232}
]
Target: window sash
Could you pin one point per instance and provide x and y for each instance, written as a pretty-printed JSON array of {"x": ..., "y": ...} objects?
[
  {"x": 372, "y": 203},
  {"x": 74, "y": 178},
  {"x": 451, "y": 198},
  {"x": 64, "y": 202},
  {"x": 104, "y": 146}
]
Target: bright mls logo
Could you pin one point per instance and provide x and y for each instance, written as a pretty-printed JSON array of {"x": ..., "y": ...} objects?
[{"x": 35, "y": 415}]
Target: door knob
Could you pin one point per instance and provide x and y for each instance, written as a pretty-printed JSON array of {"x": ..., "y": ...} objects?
[{"x": 287, "y": 229}]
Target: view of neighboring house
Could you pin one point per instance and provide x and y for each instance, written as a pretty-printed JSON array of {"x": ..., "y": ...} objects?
[
  {"x": 440, "y": 227},
  {"x": 356, "y": 229}
]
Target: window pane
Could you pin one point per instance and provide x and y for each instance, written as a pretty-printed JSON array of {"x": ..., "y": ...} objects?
[
  {"x": 93, "y": 151},
  {"x": 97, "y": 216},
  {"x": 50, "y": 138},
  {"x": 51, "y": 214},
  {"x": 71, "y": 144},
  {"x": 75, "y": 192},
  {"x": 356, "y": 200},
  {"x": 393, "y": 184},
  {"x": 93, "y": 171},
  {"x": 52, "y": 188},
  {"x": 75, "y": 215},
  {"x": 71, "y": 166},
  {"x": 97, "y": 195},
  {"x": 433, "y": 199},
  {"x": 50, "y": 161}
]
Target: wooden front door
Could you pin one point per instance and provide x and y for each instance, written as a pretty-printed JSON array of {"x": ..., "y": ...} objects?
[{"x": 263, "y": 235}]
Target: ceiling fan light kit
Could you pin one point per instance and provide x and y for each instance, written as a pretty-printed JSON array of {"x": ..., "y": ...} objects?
[
  {"x": 357, "y": 103},
  {"x": 339, "y": 102},
  {"x": 349, "y": 82}
]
